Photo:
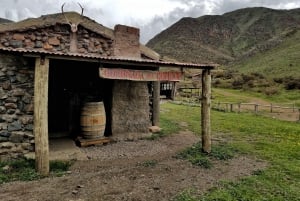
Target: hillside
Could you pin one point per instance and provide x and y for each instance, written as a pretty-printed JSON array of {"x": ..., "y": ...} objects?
[
  {"x": 229, "y": 37},
  {"x": 2, "y": 20}
]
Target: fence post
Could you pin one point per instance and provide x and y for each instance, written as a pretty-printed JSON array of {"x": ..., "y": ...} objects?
[
  {"x": 271, "y": 108},
  {"x": 293, "y": 107},
  {"x": 239, "y": 105},
  {"x": 256, "y": 108},
  {"x": 231, "y": 107},
  {"x": 299, "y": 115}
]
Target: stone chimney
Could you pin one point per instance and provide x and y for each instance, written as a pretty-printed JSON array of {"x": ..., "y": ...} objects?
[{"x": 127, "y": 42}]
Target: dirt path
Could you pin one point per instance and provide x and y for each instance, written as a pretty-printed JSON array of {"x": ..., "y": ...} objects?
[{"x": 137, "y": 171}]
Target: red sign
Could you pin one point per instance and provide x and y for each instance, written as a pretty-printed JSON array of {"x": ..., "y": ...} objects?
[{"x": 139, "y": 75}]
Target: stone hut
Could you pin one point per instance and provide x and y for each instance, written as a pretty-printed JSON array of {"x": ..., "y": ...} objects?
[{"x": 51, "y": 65}]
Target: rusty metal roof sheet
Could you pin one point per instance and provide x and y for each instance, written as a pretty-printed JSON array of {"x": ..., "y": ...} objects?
[{"x": 111, "y": 59}]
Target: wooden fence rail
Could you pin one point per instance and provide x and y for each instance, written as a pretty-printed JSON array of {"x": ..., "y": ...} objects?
[{"x": 256, "y": 108}]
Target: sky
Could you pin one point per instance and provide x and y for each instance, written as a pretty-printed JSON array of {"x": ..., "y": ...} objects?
[{"x": 151, "y": 16}]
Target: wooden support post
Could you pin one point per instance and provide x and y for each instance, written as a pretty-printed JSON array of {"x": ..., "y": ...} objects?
[
  {"x": 205, "y": 111},
  {"x": 231, "y": 107},
  {"x": 239, "y": 105},
  {"x": 156, "y": 101},
  {"x": 41, "y": 115}
]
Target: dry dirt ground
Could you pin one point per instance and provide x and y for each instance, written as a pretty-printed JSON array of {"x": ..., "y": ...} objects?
[{"x": 132, "y": 170}]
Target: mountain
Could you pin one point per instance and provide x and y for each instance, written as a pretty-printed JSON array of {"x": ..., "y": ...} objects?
[
  {"x": 2, "y": 20},
  {"x": 231, "y": 37}
]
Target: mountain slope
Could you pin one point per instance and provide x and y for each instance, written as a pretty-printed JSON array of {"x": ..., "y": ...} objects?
[
  {"x": 281, "y": 61},
  {"x": 229, "y": 37},
  {"x": 2, "y": 20}
]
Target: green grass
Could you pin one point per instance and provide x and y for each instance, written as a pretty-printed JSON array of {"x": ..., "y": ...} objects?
[
  {"x": 196, "y": 157},
  {"x": 277, "y": 142},
  {"x": 24, "y": 170}
]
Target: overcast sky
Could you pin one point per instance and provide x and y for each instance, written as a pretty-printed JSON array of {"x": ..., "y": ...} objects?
[{"x": 151, "y": 16}]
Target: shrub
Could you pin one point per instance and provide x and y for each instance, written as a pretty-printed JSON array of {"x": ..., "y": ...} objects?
[{"x": 269, "y": 91}]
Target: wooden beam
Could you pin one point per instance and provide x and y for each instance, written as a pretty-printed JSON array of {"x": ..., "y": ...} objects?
[
  {"x": 156, "y": 101},
  {"x": 205, "y": 111},
  {"x": 41, "y": 115}
]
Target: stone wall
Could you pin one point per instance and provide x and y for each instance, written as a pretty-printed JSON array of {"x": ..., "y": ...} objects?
[
  {"x": 57, "y": 39},
  {"x": 130, "y": 109},
  {"x": 16, "y": 107}
]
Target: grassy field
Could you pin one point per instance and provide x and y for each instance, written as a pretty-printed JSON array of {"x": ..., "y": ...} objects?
[{"x": 277, "y": 142}]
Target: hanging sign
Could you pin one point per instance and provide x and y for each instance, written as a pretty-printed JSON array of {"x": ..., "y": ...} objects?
[{"x": 139, "y": 75}]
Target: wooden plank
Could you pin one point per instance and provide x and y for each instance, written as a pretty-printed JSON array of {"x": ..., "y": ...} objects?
[
  {"x": 41, "y": 115},
  {"x": 156, "y": 103},
  {"x": 88, "y": 142},
  {"x": 205, "y": 111}
]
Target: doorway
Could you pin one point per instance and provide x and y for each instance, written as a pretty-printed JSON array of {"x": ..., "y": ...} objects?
[{"x": 71, "y": 84}]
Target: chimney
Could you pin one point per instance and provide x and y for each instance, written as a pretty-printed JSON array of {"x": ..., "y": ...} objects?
[{"x": 127, "y": 42}]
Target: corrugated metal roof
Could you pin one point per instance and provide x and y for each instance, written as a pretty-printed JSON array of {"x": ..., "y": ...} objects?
[{"x": 112, "y": 59}]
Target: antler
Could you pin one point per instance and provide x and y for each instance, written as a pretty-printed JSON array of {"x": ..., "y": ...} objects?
[
  {"x": 73, "y": 25},
  {"x": 62, "y": 11},
  {"x": 81, "y": 8}
]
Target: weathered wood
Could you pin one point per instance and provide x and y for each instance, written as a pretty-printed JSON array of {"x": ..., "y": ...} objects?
[
  {"x": 88, "y": 142},
  {"x": 205, "y": 111},
  {"x": 156, "y": 101},
  {"x": 41, "y": 115}
]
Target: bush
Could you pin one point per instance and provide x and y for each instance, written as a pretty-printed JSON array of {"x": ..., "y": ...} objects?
[{"x": 269, "y": 91}]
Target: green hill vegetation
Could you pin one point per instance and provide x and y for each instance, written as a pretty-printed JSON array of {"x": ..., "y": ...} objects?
[{"x": 258, "y": 48}]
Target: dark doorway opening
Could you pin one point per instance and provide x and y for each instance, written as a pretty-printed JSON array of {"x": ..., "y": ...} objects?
[{"x": 71, "y": 84}]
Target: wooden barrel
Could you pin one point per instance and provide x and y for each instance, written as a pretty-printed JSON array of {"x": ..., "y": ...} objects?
[{"x": 93, "y": 120}]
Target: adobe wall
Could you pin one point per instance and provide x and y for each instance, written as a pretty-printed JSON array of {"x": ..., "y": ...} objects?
[
  {"x": 16, "y": 107},
  {"x": 130, "y": 109}
]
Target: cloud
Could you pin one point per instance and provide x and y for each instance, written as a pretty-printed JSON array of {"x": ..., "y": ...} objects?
[{"x": 151, "y": 16}]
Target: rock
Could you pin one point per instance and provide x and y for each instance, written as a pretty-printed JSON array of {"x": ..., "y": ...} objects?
[
  {"x": 75, "y": 192},
  {"x": 3, "y": 96},
  {"x": 29, "y": 135},
  {"x": 3, "y": 139},
  {"x": 26, "y": 120},
  {"x": 14, "y": 126},
  {"x": 2, "y": 109},
  {"x": 16, "y": 137},
  {"x": 11, "y": 100},
  {"x": 2, "y": 120},
  {"x": 6, "y": 86},
  {"x": 6, "y": 145},
  {"x": 11, "y": 106},
  {"x": 154, "y": 129},
  {"x": 27, "y": 99},
  {"x": 18, "y": 92},
  {"x": 54, "y": 41},
  {"x": 11, "y": 111},
  {"x": 38, "y": 44},
  {"x": 46, "y": 46},
  {"x": 21, "y": 78},
  {"x": 4, "y": 134},
  {"x": 18, "y": 37},
  {"x": 16, "y": 43},
  {"x": 29, "y": 127},
  {"x": 3, "y": 126},
  {"x": 2, "y": 74},
  {"x": 6, "y": 168},
  {"x": 29, "y": 109},
  {"x": 26, "y": 146}
]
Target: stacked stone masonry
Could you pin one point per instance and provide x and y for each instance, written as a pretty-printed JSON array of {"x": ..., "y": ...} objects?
[
  {"x": 16, "y": 107},
  {"x": 57, "y": 39}
]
